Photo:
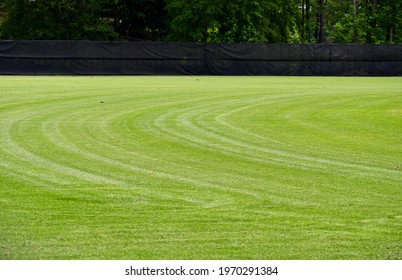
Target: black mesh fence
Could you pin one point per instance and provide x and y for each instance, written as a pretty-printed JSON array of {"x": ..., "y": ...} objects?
[{"x": 153, "y": 58}]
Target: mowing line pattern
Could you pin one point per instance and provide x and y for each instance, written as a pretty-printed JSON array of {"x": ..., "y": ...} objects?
[{"x": 184, "y": 167}]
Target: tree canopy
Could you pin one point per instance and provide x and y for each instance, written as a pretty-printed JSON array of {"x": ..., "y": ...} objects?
[
  {"x": 266, "y": 21},
  {"x": 231, "y": 21}
]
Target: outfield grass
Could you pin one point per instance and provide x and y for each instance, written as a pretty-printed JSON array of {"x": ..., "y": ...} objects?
[{"x": 200, "y": 168}]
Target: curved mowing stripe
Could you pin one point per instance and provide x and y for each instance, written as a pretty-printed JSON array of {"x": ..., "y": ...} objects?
[
  {"x": 183, "y": 167},
  {"x": 189, "y": 121}
]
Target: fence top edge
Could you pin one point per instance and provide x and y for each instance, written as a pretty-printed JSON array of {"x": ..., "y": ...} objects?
[{"x": 194, "y": 43}]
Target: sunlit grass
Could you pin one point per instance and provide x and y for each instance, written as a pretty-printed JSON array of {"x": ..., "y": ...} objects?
[{"x": 200, "y": 168}]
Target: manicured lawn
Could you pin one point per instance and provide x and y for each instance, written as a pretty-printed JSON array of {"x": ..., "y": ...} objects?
[{"x": 200, "y": 168}]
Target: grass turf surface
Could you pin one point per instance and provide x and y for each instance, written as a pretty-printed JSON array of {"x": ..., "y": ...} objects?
[{"x": 200, "y": 168}]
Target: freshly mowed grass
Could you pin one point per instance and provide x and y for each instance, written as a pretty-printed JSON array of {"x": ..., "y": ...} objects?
[{"x": 200, "y": 168}]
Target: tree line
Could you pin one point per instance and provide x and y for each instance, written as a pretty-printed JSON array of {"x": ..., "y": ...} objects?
[{"x": 265, "y": 21}]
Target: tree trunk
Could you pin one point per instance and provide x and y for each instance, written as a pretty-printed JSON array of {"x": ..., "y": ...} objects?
[
  {"x": 355, "y": 13},
  {"x": 308, "y": 20},
  {"x": 321, "y": 23},
  {"x": 391, "y": 35},
  {"x": 303, "y": 23}
]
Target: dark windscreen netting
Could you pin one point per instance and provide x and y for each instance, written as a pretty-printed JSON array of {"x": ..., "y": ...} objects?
[
  {"x": 152, "y": 58},
  {"x": 268, "y": 59}
]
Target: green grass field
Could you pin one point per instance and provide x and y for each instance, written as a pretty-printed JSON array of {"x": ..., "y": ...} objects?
[{"x": 200, "y": 168}]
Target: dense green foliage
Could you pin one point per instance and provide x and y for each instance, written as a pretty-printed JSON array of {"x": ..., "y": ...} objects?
[
  {"x": 370, "y": 21},
  {"x": 200, "y": 168},
  {"x": 53, "y": 19},
  {"x": 285, "y": 21},
  {"x": 231, "y": 21}
]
